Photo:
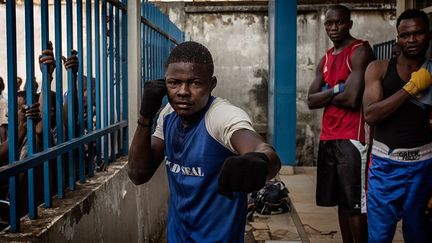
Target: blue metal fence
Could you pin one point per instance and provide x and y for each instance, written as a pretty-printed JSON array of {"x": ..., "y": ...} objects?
[
  {"x": 104, "y": 134},
  {"x": 77, "y": 141},
  {"x": 383, "y": 50},
  {"x": 159, "y": 35}
]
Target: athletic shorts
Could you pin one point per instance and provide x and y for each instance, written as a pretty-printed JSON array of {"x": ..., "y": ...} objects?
[
  {"x": 399, "y": 186},
  {"x": 341, "y": 175}
]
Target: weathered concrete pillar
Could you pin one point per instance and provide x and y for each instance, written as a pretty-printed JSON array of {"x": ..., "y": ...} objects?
[{"x": 134, "y": 63}]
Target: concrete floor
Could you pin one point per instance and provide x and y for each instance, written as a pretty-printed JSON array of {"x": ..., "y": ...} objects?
[{"x": 307, "y": 222}]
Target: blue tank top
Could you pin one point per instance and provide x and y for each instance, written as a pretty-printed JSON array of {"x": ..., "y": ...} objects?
[{"x": 197, "y": 213}]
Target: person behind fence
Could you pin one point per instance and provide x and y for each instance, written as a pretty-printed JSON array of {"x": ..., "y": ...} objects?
[
  {"x": 399, "y": 183},
  {"x": 18, "y": 83},
  {"x": 24, "y": 113},
  {"x": 342, "y": 153},
  {"x": 72, "y": 63},
  {"x": 212, "y": 154},
  {"x": 3, "y": 111}
]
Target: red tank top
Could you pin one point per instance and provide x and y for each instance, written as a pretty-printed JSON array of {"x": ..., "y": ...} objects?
[{"x": 338, "y": 123}]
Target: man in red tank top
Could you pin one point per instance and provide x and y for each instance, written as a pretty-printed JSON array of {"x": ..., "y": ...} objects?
[{"x": 338, "y": 88}]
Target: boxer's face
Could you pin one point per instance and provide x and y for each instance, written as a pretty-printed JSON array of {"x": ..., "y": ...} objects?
[
  {"x": 413, "y": 37},
  {"x": 189, "y": 86},
  {"x": 337, "y": 25}
]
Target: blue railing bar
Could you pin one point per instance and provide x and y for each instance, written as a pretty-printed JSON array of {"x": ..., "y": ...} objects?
[
  {"x": 156, "y": 41},
  {"x": 118, "y": 4},
  {"x": 125, "y": 79},
  {"x": 38, "y": 158},
  {"x": 153, "y": 43},
  {"x": 46, "y": 104},
  {"x": 147, "y": 56},
  {"x": 30, "y": 73},
  {"x": 105, "y": 79},
  {"x": 59, "y": 95},
  {"x": 144, "y": 8},
  {"x": 143, "y": 54},
  {"x": 159, "y": 30},
  {"x": 89, "y": 85},
  {"x": 80, "y": 121},
  {"x": 160, "y": 65},
  {"x": 157, "y": 44},
  {"x": 111, "y": 78},
  {"x": 97, "y": 79},
  {"x": 71, "y": 94},
  {"x": 152, "y": 34},
  {"x": 163, "y": 46},
  {"x": 117, "y": 77},
  {"x": 145, "y": 59},
  {"x": 143, "y": 46},
  {"x": 149, "y": 46},
  {"x": 12, "y": 107}
]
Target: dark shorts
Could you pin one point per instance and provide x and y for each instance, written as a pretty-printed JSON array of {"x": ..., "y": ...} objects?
[{"x": 341, "y": 175}]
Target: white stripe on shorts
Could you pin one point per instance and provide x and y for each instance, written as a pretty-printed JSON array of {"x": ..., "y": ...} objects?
[{"x": 364, "y": 159}]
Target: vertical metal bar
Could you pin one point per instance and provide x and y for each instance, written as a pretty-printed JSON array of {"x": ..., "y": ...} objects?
[
  {"x": 105, "y": 78},
  {"x": 285, "y": 14},
  {"x": 59, "y": 96},
  {"x": 80, "y": 121},
  {"x": 46, "y": 104},
  {"x": 71, "y": 94},
  {"x": 89, "y": 85},
  {"x": 111, "y": 79},
  {"x": 156, "y": 45},
  {"x": 145, "y": 46},
  {"x": 161, "y": 45},
  {"x": 124, "y": 79},
  {"x": 30, "y": 73},
  {"x": 375, "y": 51},
  {"x": 157, "y": 42},
  {"x": 154, "y": 38},
  {"x": 117, "y": 76},
  {"x": 98, "y": 79},
  {"x": 148, "y": 46},
  {"x": 142, "y": 43},
  {"x": 165, "y": 43},
  {"x": 143, "y": 34},
  {"x": 152, "y": 44},
  {"x": 12, "y": 108}
]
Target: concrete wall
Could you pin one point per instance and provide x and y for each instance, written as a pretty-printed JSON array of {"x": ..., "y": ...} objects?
[
  {"x": 108, "y": 208},
  {"x": 238, "y": 41}
]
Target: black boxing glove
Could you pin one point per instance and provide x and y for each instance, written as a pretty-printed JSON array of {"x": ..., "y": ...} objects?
[
  {"x": 243, "y": 173},
  {"x": 151, "y": 100}
]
